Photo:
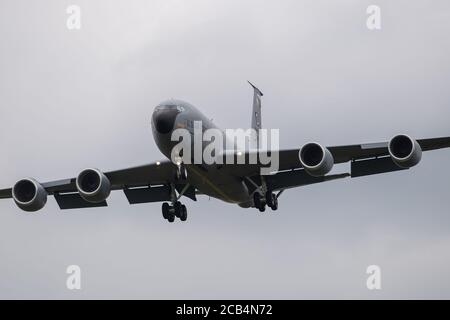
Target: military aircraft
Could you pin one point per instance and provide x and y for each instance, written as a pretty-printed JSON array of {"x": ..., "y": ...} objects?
[{"x": 240, "y": 183}]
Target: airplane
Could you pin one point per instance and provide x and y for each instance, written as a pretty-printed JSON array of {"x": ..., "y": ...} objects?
[{"x": 167, "y": 181}]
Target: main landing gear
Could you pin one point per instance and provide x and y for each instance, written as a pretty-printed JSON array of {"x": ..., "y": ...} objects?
[
  {"x": 270, "y": 199},
  {"x": 177, "y": 210}
]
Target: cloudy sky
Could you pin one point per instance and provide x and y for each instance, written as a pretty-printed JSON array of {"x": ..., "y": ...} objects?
[{"x": 76, "y": 99}]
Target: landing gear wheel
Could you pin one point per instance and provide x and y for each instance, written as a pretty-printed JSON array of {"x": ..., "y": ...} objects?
[
  {"x": 272, "y": 200},
  {"x": 269, "y": 198},
  {"x": 257, "y": 200},
  {"x": 259, "y": 203},
  {"x": 165, "y": 210},
  {"x": 183, "y": 216},
  {"x": 171, "y": 218},
  {"x": 274, "y": 206},
  {"x": 177, "y": 209}
]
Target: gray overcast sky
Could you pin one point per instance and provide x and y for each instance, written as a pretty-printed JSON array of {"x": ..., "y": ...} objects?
[{"x": 75, "y": 99}]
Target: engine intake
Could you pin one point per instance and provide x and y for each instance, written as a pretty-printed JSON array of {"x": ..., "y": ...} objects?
[
  {"x": 93, "y": 186},
  {"x": 29, "y": 195},
  {"x": 405, "y": 151},
  {"x": 316, "y": 160}
]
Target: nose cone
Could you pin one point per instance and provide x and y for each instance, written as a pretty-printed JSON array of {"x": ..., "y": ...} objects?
[{"x": 164, "y": 120}]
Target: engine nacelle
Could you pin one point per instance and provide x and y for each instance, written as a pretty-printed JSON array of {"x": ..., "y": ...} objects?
[
  {"x": 93, "y": 186},
  {"x": 405, "y": 151},
  {"x": 29, "y": 195},
  {"x": 316, "y": 160}
]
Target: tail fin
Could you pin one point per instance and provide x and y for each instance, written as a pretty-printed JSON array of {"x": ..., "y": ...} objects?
[{"x": 256, "y": 113}]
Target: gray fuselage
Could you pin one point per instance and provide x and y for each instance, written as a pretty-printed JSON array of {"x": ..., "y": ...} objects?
[{"x": 212, "y": 180}]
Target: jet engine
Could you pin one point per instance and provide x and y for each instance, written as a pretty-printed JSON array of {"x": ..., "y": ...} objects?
[
  {"x": 405, "y": 151},
  {"x": 316, "y": 160},
  {"x": 29, "y": 195},
  {"x": 93, "y": 186}
]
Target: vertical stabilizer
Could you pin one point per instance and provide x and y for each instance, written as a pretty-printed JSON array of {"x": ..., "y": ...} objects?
[{"x": 256, "y": 114}]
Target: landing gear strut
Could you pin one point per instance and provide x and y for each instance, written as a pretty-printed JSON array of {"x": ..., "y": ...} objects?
[
  {"x": 181, "y": 173},
  {"x": 176, "y": 210}
]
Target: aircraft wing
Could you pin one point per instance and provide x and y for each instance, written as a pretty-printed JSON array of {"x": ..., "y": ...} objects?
[
  {"x": 152, "y": 174},
  {"x": 136, "y": 182},
  {"x": 376, "y": 153},
  {"x": 5, "y": 193},
  {"x": 148, "y": 183}
]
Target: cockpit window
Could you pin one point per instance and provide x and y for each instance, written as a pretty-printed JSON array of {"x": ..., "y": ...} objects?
[{"x": 170, "y": 107}]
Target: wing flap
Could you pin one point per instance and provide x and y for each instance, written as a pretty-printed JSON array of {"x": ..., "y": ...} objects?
[
  {"x": 151, "y": 174},
  {"x": 298, "y": 178},
  {"x": 342, "y": 154},
  {"x": 369, "y": 167},
  {"x": 146, "y": 195},
  {"x": 75, "y": 201}
]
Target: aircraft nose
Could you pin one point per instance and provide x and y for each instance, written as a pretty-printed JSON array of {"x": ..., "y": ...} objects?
[{"x": 164, "y": 120}]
